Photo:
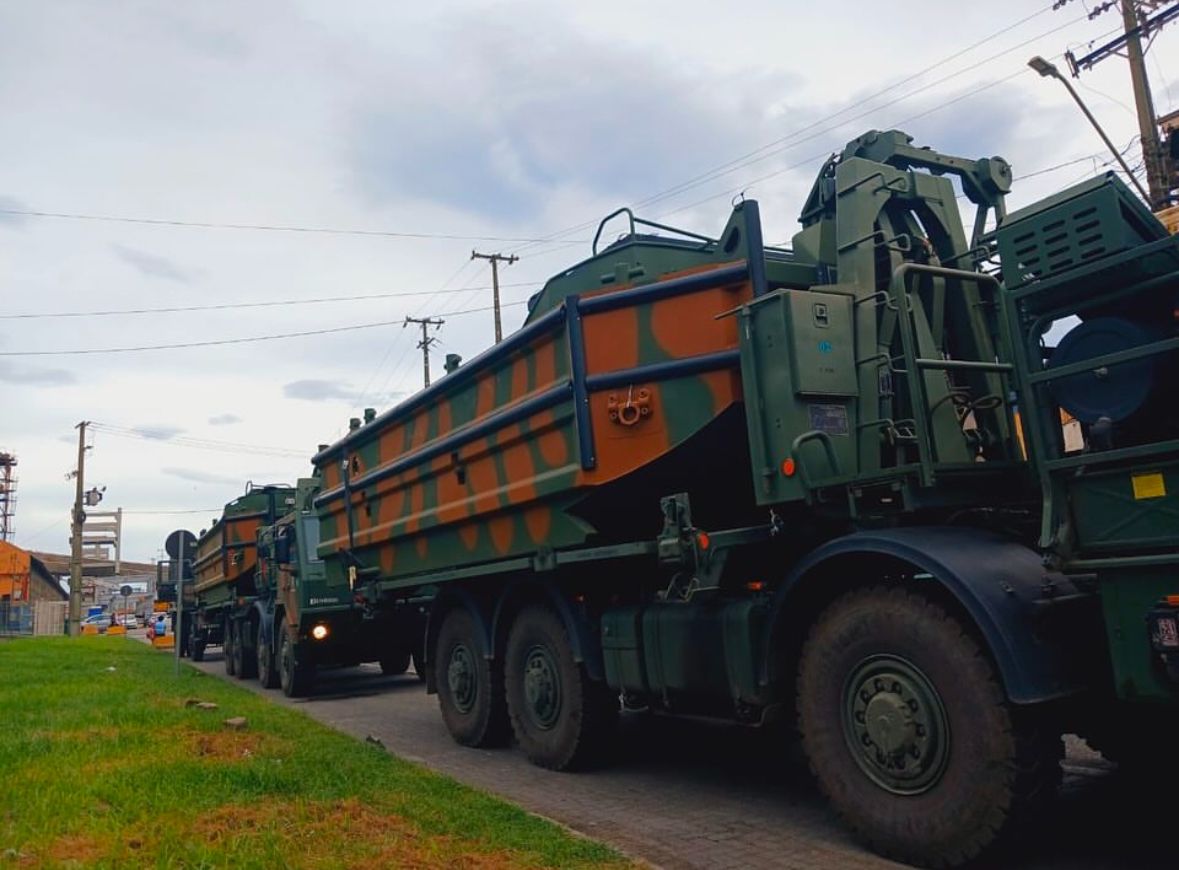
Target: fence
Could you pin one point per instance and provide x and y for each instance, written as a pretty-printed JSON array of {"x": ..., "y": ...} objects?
[
  {"x": 15, "y": 619},
  {"x": 35, "y": 618}
]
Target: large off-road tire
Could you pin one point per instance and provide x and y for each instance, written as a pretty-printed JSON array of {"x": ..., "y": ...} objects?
[
  {"x": 245, "y": 664},
  {"x": 295, "y": 677},
  {"x": 394, "y": 663},
  {"x": 470, "y": 688},
  {"x": 264, "y": 654},
  {"x": 196, "y": 643},
  {"x": 561, "y": 718},
  {"x": 909, "y": 733},
  {"x": 227, "y": 645}
]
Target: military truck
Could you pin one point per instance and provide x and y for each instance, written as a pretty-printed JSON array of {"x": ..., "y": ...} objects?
[
  {"x": 225, "y": 568},
  {"x": 822, "y": 485},
  {"x": 304, "y": 618}
]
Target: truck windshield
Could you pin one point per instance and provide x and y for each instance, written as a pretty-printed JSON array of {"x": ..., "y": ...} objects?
[{"x": 311, "y": 536}]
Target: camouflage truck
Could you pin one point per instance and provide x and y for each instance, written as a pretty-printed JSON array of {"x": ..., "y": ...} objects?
[
  {"x": 305, "y": 618},
  {"x": 225, "y": 569},
  {"x": 786, "y": 485}
]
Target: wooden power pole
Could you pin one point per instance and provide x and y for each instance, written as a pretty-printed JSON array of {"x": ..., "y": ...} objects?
[
  {"x": 426, "y": 341},
  {"x": 495, "y": 260},
  {"x": 1137, "y": 22},
  {"x": 79, "y": 518}
]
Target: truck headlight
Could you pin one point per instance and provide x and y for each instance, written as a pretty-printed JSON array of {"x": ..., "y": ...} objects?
[{"x": 319, "y": 632}]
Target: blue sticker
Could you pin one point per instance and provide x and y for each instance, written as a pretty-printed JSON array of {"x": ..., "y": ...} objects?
[{"x": 825, "y": 347}]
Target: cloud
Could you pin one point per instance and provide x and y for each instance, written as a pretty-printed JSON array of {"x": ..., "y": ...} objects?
[
  {"x": 158, "y": 433},
  {"x": 319, "y": 391},
  {"x": 224, "y": 419},
  {"x": 604, "y": 118},
  {"x": 313, "y": 390},
  {"x": 198, "y": 476},
  {"x": 153, "y": 265},
  {"x": 8, "y": 203},
  {"x": 34, "y": 376}
]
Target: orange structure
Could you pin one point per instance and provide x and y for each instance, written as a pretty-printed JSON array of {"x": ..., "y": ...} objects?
[{"x": 15, "y": 565}]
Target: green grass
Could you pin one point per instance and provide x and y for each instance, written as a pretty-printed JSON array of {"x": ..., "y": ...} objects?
[{"x": 101, "y": 764}]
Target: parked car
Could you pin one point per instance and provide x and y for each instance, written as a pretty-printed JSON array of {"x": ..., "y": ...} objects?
[
  {"x": 129, "y": 620},
  {"x": 101, "y": 620}
]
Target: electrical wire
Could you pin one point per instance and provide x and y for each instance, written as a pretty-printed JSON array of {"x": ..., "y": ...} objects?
[
  {"x": 276, "y": 228},
  {"x": 364, "y": 394},
  {"x": 772, "y": 148},
  {"x": 226, "y": 341},
  {"x": 237, "y": 305},
  {"x": 163, "y": 512},
  {"x": 179, "y": 440}
]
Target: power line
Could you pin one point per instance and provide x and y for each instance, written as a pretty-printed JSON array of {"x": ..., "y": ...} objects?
[
  {"x": 765, "y": 151},
  {"x": 226, "y": 341},
  {"x": 162, "y": 512},
  {"x": 274, "y": 228},
  {"x": 463, "y": 266},
  {"x": 236, "y": 305},
  {"x": 178, "y": 440}
]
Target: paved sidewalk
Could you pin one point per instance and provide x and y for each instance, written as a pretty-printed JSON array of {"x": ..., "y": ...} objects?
[{"x": 687, "y": 794}]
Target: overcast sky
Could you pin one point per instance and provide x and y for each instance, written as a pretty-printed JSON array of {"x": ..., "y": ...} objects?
[{"x": 490, "y": 121}]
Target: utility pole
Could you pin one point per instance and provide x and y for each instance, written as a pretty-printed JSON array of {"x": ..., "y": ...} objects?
[
  {"x": 426, "y": 341},
  {"x": 79, "y": 517},
  {"x": 1136, "y": 23},
  {"x": 495, "y": 261}
]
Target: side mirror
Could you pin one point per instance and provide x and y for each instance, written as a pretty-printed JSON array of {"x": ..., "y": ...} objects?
[{"x": 282, "y": 549}]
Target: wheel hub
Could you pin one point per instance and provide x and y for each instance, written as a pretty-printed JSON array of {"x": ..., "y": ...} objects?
[
  {"x": 895, "y": 725},
  {"x": 460, "y": 678},
  {"x": 542, "y": 687}
]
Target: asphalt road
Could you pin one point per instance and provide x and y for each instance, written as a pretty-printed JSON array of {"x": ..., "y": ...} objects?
[{"x": 690, "y": 794}]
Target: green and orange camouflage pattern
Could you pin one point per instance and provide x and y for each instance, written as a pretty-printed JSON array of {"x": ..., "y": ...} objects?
[
  {"x": 226, "y": 555},
  {"x": 491, "y": 461}
]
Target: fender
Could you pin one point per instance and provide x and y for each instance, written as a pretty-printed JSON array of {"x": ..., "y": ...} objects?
[
  {"x": 585, "y": 647},
  {"x": 999, "y": 584},
  {"x": 445, "y": 601}
]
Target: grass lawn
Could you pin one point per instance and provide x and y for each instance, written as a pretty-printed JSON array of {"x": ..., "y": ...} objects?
[{"x": 102, "y": 764}]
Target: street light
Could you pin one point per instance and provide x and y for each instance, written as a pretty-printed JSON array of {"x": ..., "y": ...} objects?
[{"x": 1047, "y": 69}]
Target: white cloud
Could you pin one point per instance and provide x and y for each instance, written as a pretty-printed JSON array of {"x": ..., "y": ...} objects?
[{"x": 35, "y": 376}]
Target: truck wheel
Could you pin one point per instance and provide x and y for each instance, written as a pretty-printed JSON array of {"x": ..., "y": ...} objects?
[
  {"x": 294, "y": 676},
  {"x": 243, "y": 650},
  {"x": 561, "y": 718},
  {"x": 909, "y": 734},
  {"x": 246, "y": 635},
  {"x": 419, "y": 665},
  {"x": 267, "y": 674},
  {"x": 197, "y": 645},
  {"x": 227, "y": 646},
  {"x": 470, "y": 688},
  {"x": 394, "y": 663}
]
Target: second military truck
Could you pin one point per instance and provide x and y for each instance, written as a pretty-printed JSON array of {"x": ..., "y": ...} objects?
[{"x": 278, "y": 615}]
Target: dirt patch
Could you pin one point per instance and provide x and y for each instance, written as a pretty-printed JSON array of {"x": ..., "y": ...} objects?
[
  {"x": 79, "y": 849},
  {"x": 314, "y": 819},
  {"x": 350, "y": 831},
  {"x": 227, "y": 745}
]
